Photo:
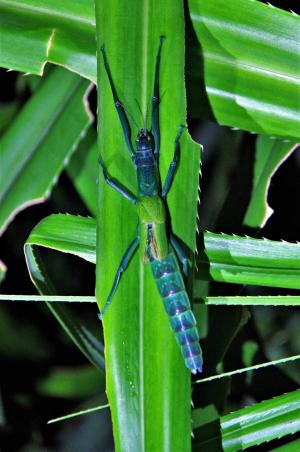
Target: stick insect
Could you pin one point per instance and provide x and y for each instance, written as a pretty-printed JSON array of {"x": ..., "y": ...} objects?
[{"x": 155, "y": 247}]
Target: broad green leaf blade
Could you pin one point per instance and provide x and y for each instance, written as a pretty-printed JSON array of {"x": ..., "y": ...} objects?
[
  {"x": 83, "y": 171},
  {"x": 68, "y": 234},
  {"x": 7, "y": 112},
  {"x": 253, "y": 90},
  {"x": 244, "y": 260},
  {"x": 251, "y": 426},
  {"x": 250, "y": 66},
  {"x": 261, "y": 422},
  {"x": 146, "y": 377},
  {"x": 270, "y": 154},
  {"x": 34, "y": 150},
  {"x": 285, "y": 300},
  {"x": 80, "y": 335},
  {"x": 34, "y": 32},
  {"x": 225, "y": 258}
]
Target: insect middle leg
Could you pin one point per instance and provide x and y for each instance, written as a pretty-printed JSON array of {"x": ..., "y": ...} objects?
[
  {"x": 122, "y": 267},
  {"x": 114, "y": 184},
  {"x": 119, "y": 106},
  {"x": 173, "y": 164}
]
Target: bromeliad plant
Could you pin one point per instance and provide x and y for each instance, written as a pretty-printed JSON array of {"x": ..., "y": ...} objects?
[{"x": 236, "y": 51}]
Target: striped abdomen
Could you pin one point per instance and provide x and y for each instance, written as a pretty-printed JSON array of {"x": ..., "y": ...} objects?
[{"x": 177, "y": 305}]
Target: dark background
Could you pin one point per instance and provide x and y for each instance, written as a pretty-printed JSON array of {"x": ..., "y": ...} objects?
[{"x": 32, "y": 343}]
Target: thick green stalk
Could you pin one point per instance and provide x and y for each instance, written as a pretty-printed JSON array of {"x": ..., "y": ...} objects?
[{"x": 148, "y": 386}]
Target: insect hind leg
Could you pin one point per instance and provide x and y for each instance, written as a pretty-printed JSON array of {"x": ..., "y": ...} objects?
[
  {"x": 122, "y": 267},
  {"x": 180, "y": 254}
]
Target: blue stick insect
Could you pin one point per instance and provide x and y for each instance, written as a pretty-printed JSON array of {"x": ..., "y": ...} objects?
[{"x": 152, "y": 237}]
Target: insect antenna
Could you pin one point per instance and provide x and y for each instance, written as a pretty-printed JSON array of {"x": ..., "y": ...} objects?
[
  {"x": 143, "y": 119},
  {"x": 147, "y": 111},
  {"x": 132, "y": 117}
]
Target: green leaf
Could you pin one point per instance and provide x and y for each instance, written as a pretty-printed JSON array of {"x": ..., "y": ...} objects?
[
  {"x": 34, "y": 32},
  {"x": 254, "y": 425},
  {"x": 68, "y": 234},
  {"x": 73, "y": 383},
  {"x": 284, "y": 300},
  {"x": 83, "y": 170},
  {"x": 261, "y": 422},
  {"x": 7, "y": 112},
  {"x": 146, "y": 377},
  {"x": 225, "y": 258},
  {"x": 270, "y": 154},
  {"x": 81, "y": 336},
  {"x": 250, "y": 66},
  {"x": 250, "y": 56},
  {"x": 35, "y": 148},
  {"x": 244, "y": 260}
]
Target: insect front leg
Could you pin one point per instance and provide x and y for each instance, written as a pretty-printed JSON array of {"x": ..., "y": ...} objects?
[
  {"x": 122, "y": 267},
  {"x": 155, "y": 101},
  {"x": 173, "y": 164},
  {"x": 114, "y": 184},
  {"x": 119, "y": 106}
]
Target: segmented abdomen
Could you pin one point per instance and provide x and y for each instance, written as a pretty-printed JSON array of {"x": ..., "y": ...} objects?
[{"x": 171, "y": 287}]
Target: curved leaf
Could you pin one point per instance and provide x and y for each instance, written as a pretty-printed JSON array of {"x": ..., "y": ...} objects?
[
  {"x": 80, "y": 335},
  {"x": 36, "y": 147},
  {"x": 244, "y": 260},
  {"x": 250, "y": 66},
  {"x": 254, "y": 425},
  {"x": 270, "y": 154},
  {"x": 255, "y": 90},
  {"x": 261, "y": 422},
  {"x": 34, "y": 32}
]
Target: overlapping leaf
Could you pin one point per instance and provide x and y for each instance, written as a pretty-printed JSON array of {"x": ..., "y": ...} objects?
[
  {"x": 270, "y": 154},
  {"x": 249, "y": 52},
  {"x": 248, "y": 61},
  {"x": 252, "y": 425},
  {"x": 36, "y": 147}
]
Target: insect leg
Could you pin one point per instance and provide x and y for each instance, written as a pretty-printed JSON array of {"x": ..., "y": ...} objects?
[
  {"x": 122, "y": 267},
  {"x": 116, "y": 185},
  {"x": 173, "y": 164},
  {"x": 180, "y": 254},
  {"x": 155, "y": 101},
  {"x": 119, "y": 106}
]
